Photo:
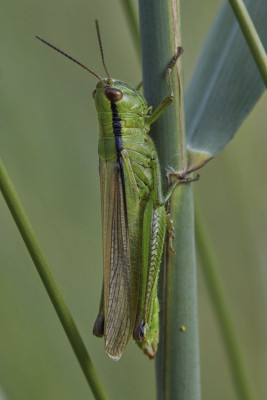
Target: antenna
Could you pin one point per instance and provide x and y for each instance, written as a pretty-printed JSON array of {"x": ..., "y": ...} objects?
[
  {"x": 101, "y": 48},
  {"x": 71, "y": 58}
]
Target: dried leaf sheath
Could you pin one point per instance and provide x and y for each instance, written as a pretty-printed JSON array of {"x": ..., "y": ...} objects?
[{"x": 119, "y": 320}]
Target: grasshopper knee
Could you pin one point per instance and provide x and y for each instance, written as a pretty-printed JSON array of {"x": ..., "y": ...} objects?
[
  {"x": 140, "y": 331},
  {"x": 98, "y": 329}
]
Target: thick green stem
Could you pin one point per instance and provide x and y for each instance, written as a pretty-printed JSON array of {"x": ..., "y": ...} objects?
[
  {"x": 251, "y": 36},
  {"x": 222, "y": 311},
  {"x": 178, "y": 374},
  {"x": 43, "y": 269}
]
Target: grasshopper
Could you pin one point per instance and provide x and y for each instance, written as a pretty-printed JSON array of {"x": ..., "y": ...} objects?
[{"x": 134, "y": 218}]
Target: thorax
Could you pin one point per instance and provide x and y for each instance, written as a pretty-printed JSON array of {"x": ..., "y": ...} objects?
[{"x": 118, "y": 131}]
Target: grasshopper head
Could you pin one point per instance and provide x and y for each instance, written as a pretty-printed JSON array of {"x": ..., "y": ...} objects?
[{"x": 127, "y": 100}]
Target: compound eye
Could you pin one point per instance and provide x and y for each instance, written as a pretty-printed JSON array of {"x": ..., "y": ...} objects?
[
  {"x": 94, "y": 92},
  {"x": 113, "y": 94}
]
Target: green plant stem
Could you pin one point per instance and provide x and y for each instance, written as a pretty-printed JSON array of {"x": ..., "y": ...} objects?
[
  {"x": 177, "y": 362},
  {"x": 222, "y": 311},
  {"x": 46, "y": 276},
  {"x": 251, "y": 36}
]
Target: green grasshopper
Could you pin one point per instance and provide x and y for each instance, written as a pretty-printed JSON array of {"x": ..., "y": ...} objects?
[{"x": 134, "y": 218}]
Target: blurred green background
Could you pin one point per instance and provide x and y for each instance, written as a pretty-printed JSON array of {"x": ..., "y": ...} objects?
[{"x": 48, "y": 142}]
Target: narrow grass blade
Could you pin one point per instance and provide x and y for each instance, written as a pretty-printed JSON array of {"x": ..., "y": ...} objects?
[
  {"x": 251, "y": 35},
  {"x": 131, "y": 17},
  {"x": 222, "y": 311},
  {"x": 52, "y": 289}
]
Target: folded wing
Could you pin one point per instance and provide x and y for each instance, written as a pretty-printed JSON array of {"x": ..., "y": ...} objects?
[{"x": 118, "y": 282}]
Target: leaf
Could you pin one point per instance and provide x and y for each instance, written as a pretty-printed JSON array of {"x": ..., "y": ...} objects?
[{"x": 226, "y": 83}]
